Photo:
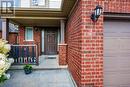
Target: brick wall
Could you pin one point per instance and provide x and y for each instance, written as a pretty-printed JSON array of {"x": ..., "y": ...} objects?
[
  {"x": 85, "y": 45},
  {"x": 20, "y": 38},
  {"x": 85, "y": 40},
  {"x": 37, "y": 38},
  {"x": 73, "y": 39},
  {"x": 92, "y": 46},
  {"x": 12, "y": 37},
  {"x": 0, "y": 34},
  {"x": 62, "y": 54},
  {"x": 118, "y": 6}
]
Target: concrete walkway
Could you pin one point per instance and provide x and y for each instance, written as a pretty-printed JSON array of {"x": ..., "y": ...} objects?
[{"x": 40, "y": 78}]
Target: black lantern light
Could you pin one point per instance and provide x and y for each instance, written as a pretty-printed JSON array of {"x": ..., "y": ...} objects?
[{"x": 97, "y": 13}]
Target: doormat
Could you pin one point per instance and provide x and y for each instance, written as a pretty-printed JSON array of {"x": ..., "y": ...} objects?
[{"x": 50, "y": 57}]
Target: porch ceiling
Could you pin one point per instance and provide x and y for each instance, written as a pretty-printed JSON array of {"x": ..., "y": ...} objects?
[
  {"x": 43, "y": 17},
  {"x": 46, "y": 12},
  {"x": 37, "y": 22}
]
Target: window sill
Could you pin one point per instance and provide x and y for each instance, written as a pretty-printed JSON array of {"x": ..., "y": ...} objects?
[{"x": 29, "y": 40}]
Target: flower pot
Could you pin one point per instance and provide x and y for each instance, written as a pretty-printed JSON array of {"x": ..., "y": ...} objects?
[{"x": 27, "y": 71}]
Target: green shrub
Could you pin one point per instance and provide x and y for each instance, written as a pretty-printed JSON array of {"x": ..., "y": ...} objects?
[{"x": 3, "y": 78}]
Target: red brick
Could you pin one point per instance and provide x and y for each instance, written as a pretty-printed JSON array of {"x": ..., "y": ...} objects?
[
  {"x": 12, "y": 37},
  {"x": 62, "y": 54},
  {"x": 37, "y": 38},
  {"x": 81, "y": 56},
  {"x": 0, "y": 34}
]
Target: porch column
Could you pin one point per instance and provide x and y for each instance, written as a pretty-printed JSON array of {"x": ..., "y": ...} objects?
[
  {"x": 62, "y": 31},
  {"x": 62, "y": 45},
  {"x": 5, "y": 29}
]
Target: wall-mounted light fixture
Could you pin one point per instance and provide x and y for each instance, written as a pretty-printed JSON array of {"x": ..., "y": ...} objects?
[
  {"x": 36, "y": 28},
  {"x": 96, "y": 14}
]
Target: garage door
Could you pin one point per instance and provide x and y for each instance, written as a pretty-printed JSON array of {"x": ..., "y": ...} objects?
[{"x": 116, "y": 54}]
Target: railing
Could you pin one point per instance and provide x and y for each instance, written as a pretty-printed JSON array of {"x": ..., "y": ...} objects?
[{"x": 24, "y": 54}]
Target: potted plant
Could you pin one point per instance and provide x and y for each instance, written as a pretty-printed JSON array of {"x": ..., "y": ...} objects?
[{"x": 28, "y": 69}]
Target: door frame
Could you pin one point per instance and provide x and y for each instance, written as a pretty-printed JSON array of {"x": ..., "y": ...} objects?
[{"x": 43, "y": 38}]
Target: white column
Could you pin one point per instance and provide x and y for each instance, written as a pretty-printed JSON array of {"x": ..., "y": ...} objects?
[
  {"x": 43, "y": 40},
  {"x": 62, "y": 31},
  {"x": 4, "y": 29}
]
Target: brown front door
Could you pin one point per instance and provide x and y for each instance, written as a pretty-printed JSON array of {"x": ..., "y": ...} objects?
[{"x": 50, "y": 42}]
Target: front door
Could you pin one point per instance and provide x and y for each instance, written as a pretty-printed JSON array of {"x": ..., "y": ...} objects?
[{"x": 50, "y": 41}]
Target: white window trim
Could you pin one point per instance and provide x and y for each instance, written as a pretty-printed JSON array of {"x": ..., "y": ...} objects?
[
  {"x": 32, "y": 34},
  {"x": 28, "y": 40}
]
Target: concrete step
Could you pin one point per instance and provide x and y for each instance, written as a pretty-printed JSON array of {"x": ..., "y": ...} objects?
[{"x": 35, "y": 67}]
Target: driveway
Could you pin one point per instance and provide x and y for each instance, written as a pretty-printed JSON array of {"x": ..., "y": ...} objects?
[{"x": 40, "y": 78}]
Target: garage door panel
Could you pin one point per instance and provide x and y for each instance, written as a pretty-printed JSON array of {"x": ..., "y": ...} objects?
[
  {"x": 124, "y": 34},
  {"x": 124, "y": 53},
  {"x": 116, "y": 86},
  {"x": 123, "y": 28},
  {"x": 116, "y": 54},
  {"x": 111, "y": 34},
  {"x": 110, "y": 28},
  {"x": 124, "y": 85},
  {"x": 116, "y": 79},
  {"x": 124, "y": 43},
  {"x": 124, "y": 64},
  {"x": 111, "y": 43},
  {"x": 111, "y": 79},
  {"x": 124, "y": 79},
  {"x": 116, "y": 25},
  {"x": 115, "y": 61},
  {"x": 117, "y": 34},
  {"x": 116, "y": 66},
  {"x": 109, "y": 53},
  {"x": 111, "y": 62}
]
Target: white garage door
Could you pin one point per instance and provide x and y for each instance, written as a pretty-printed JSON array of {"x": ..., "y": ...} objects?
[{"x": 116, "y": 54}]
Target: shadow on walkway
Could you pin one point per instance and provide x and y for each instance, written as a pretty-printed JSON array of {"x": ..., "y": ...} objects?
[{"x": 39, "y": 78}]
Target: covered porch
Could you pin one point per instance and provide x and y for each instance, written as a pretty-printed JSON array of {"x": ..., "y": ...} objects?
[
  {"x": 40, "y": 40},
  {"x": 40, "y": 32},
  {"x": 36, "y": 38}
]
